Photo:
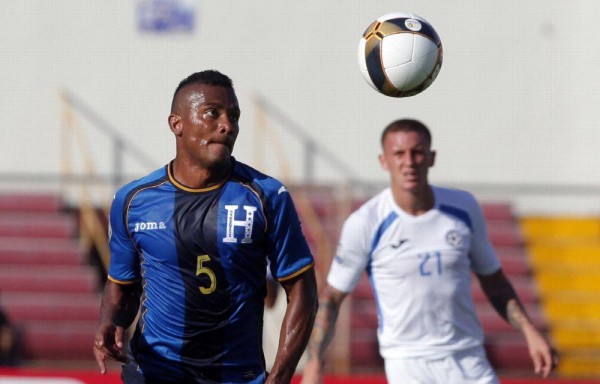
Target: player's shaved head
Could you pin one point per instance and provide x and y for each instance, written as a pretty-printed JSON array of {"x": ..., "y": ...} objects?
[
  {"x": 407, "y": 125},
  {"x": 208, "y": 77}
]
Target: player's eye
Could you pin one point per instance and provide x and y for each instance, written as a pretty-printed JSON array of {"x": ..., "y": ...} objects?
[{"x": 211, "y": 113}]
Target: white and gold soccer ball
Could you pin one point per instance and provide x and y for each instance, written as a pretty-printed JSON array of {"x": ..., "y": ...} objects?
[{"x": 400, "y": 54}]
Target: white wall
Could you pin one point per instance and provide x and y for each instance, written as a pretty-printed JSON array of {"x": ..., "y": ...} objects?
[{"x": 517, "y": 100}]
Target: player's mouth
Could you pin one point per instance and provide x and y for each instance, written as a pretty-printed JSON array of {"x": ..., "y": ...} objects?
[
  {"x": 226, "y": 143},
  {"x": 411, "y": 176}
]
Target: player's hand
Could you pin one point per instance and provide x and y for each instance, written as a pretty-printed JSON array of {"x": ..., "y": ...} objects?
[
  {"x": 109, "y": 344},
  {"x": 544, "y": 357},
  {"x": 313, "y": 372}
]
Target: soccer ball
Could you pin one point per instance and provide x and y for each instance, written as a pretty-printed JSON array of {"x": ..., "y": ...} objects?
[{"x": 400, "y": 54}]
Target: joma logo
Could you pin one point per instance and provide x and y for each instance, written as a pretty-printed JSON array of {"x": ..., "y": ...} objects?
[{"x": 149, "y": 226}]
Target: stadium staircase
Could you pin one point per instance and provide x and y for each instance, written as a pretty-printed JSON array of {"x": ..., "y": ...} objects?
[
  {"x": 565, "y": 254},
  {"x": 47, "y": 286},
  {"x": 505, "y": 346}
]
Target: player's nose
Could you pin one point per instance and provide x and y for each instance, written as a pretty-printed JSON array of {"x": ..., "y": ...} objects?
[
  {"x": 408, "y": 159},
  {"x": 226, "y": 126}
]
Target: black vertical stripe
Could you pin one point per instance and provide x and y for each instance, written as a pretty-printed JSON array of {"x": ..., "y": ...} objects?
[
  {"x": 204, "y": 336},
  {"x": 374, "y": 64}
]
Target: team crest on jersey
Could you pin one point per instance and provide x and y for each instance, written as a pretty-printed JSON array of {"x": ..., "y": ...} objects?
[
  {"x": 247, "y": 223},
  {"x": 454, "y": 238}
]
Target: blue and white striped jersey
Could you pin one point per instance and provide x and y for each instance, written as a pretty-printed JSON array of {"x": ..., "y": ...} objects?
[{"x": 201, "y": 256}]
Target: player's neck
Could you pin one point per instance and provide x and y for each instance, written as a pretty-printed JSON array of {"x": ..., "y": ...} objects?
[
  {"x": 415, "y": 202},
  {"x": 197, "y": 177}
]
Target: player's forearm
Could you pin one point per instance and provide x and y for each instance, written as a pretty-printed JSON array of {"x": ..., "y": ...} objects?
[
  {"x": 120, "y": 304},
  {"x": 294, "y": 336},
  {"x": 323, "y": 330},
  {"x": 516, "y": 314},
  {"x": 296, "y": 327},
  {"x": 504, "y": 299}
]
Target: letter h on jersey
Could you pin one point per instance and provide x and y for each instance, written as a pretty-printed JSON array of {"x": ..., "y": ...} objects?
[{"x": 247, "y": 223}]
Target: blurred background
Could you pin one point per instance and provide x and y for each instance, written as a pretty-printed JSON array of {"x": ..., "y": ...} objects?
[{"x": 514, "y": 112}]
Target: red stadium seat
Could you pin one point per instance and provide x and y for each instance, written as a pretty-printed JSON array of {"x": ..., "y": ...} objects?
[
  {"x": 29, "y": 202},
  {"x": 57, "y": 340},
  {"x": 508, "y": 350},
  {"x": 41, "y": 251},
  {"x": 45, "y": 279},
  {"x": 364, "y": 349},
  {"x": 40, "y": 306},
  {"x": 37, "y": 225},
  {"x": 48, "y": 288},
  {"x": 497, "y": 211}
]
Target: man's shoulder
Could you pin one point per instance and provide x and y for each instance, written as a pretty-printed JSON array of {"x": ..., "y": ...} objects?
[
  {"x": 452, "y": 195},
  {"x": 256, "y": 179},
  {"x": 377, "y": 208},
  {"x": 458, "y": 203},
  {"x": 378, "y": 200},
  {"x": 154, "y": 177}
]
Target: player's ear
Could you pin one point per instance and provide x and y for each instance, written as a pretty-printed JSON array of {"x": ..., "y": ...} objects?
[
  {"x": 175, "y": 124},
  {"x": 383, "y": 162},
  {"x": 431, "y": 158}
]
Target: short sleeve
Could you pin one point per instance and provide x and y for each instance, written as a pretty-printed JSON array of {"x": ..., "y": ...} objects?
[
  {"x": 352, "y": 254},
  {"x": 124, "y": 267},
  {"x": 289, "y": 253},
  {"x": 482, "y": 254}
]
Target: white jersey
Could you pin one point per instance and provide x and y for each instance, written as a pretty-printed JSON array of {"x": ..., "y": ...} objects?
[{"x": 420, "y": 270}]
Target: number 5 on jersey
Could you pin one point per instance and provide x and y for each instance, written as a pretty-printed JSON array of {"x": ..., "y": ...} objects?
[{"x": 201, "y": 269}]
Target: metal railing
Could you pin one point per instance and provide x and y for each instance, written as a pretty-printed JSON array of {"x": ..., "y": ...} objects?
[
  {"x": 312, "y": 148},
  {"x": 120, "y": 144}
]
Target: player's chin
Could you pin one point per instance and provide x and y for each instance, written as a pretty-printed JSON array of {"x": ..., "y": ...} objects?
[
  {"x": 220, "y": 151},
  {"x": 219, "y": 157},
  {"x": 411, "y": 184}
]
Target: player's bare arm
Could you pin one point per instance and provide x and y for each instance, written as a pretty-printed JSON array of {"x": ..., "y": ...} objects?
[
  {"x": 505, "y": 300},
  {"x": 322, "y": 334},
  {"x": 296, "y": 327},
  {"x": 118, "y": 310}
]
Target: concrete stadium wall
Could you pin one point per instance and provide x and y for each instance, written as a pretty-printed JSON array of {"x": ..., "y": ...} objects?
[{"x": 516, "y": 101}]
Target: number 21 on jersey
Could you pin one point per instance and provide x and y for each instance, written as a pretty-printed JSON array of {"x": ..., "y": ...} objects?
[{"x": 431, "y": 263}]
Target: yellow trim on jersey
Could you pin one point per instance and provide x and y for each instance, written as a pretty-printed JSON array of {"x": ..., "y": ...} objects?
[
  {"x": 262, "y": 207},
  {"x": 121, "y": 282},
  {"x": 296, "y": 273},
  {"x": 188, "y": 189}
]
